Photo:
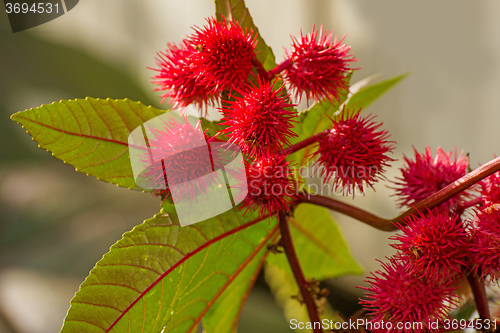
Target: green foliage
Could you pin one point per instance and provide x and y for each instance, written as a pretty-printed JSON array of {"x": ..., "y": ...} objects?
[
  {"x": 362, "y": 98},
  {"x": 56, "y": 67},
  {"x": 161, "y": 276},
  {"x": 223, "y": 316},
  {"x": 90, "y": 134}
]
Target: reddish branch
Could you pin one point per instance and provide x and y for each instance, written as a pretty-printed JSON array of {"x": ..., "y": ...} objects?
[
  {"x": 286, "y": 241},
  {"x": 281, "y": 67},
  {"x": 349, "y": 210},
  {"x": 432, "y": 201},
  {"x": 261, "y": 70},
  {"x": 304, "y": 143},
  {"x": 383, "y": 224},
  {"x": 456, "y": 187},
  {"x": 480, "y": 297}
]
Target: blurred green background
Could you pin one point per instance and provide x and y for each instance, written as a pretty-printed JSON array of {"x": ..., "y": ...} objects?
[{"x": 56, "y": 223}]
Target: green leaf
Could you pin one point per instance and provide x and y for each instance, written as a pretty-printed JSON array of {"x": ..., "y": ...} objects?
[
  {"x": 362, "y": 98},
  {"x": 235, "y": 10},
  {"x": 90, "y": 134},
  {"x": 161, "y": 277},
  {"x": 223, "y": 316},
  {"x": 321, "y": 249},
  {"x": 314, "y": 120}
]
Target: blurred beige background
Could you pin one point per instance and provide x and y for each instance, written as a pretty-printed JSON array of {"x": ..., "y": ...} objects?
[{"x": 55, "y": 224}]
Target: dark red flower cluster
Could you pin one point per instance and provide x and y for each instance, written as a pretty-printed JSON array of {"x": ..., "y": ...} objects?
[
  {"x": 400, "y": 297},
  {"x": 217, "y": 65},
  {"x": 216, "y": 57},
  {"x": 438, "y": 247}
]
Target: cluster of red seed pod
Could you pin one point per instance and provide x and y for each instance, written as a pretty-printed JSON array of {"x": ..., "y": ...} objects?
[
  {"x": 217, "y": 65},
  {"x": 442, "y": 247}
]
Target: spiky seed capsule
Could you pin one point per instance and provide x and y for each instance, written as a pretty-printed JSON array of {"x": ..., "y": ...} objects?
[
  {"x": 490, "y": 190},
  {"x": 260, "y": 119},
  {"x": 178, "y": 78},
  {"x": 485, "y": 244},
  {"x": 318, "y": 65},
  {"x": 223, "y": 55},
  {"x": 353, "y": 153},
  {"x": 426, "y": 175},
  {"x": 270, "y": 186},
  {"x": 434, "y": 244},
  {"x": 397, "y": 296}
]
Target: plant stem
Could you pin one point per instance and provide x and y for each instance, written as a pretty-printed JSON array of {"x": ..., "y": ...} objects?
[
  {"x": 286, "y": 240},
  {"x": 480, "y": 297},
  {"x": 455, "y": 188},
  {"x": 261, "y": 70},
  {"x": 432, "y": 201},
  {"x": 304, "y": 143},
  {"x": 349, "y": 210},
  {"x": 280, "y": 68}
]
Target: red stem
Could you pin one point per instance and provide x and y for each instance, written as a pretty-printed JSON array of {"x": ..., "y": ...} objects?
[
  {"x": 432, "y": 201},
  {"x": 480, "y": 297},
  {"x": 455, "y": 188},
  {"x": 349, "y": 210},
  {"x": 304, "y": 143},
  {"x": 280, "y": 68},
  {"x": 261, "y": 70},
  {"x": 286, "y": 241}
]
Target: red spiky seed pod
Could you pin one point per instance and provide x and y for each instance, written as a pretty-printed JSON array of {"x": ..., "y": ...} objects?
[
  {"x": 178, "y": 78},
  {"x": 223, "y": 54},
  {"x": 270, "y": 184},
  {"x": 353, "y": 153},
  {"x": 435, "y": 245},
  {"x": 178, "y": 153},
  {"x": 318, "y": 65},
  {"x": 490, "y": 190},
  {"x": 485, "y": 244},
  {"x": 260, "y": 119},
  {"x": 396, "y": 296},
  {"x": 426, "y": 175}
]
